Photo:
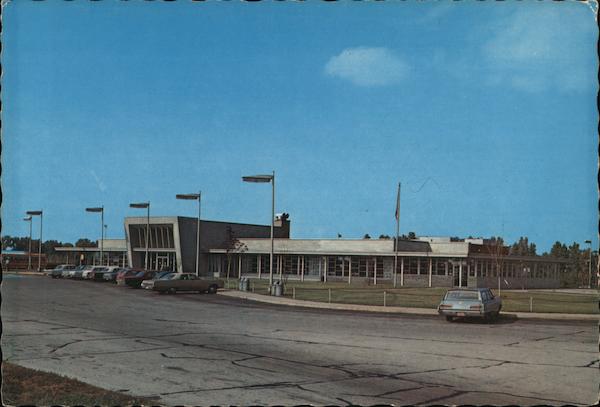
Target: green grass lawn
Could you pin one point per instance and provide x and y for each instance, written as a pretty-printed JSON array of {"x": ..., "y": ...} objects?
[{"x": 513, "y": 301}]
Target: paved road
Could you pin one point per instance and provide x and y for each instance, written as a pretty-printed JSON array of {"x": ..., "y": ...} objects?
[{"x": 200, "y": 349}]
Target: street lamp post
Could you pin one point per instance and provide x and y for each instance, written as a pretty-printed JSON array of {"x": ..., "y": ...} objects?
[
  {"x": 590, "y": 265},
  {"x": 39, "y": 213},
  {"x": 271, "y": 179},
  {"x": 28, "y": 219},
  {"x": 197, "y": 197},
  {"x": 101, "y": 210},
  {"x": 144, "y": 205}
]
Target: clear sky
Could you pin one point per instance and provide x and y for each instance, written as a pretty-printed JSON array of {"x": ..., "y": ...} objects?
[{"x": 485, "y": 111}]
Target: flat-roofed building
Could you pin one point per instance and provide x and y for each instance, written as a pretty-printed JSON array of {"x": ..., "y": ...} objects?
[{"x": 235, "y": 250}]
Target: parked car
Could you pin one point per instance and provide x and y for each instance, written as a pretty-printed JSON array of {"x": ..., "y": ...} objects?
[
  {"x": 470, "y": 302},
  {"x": 78, "y": 274},
  {"x": 87, "y": 274},
  {"x": 135, "y": 280},
  {"x": 69, "y": 273},
  {"x": 120, "y": 279},
  {"x": 161, "y": 275},
  {"x": 185, "y": 282},
  {"x": 57, "y": 272},
  {"x": 111, "y": 275},
  {"x": 98, "y": 275}
]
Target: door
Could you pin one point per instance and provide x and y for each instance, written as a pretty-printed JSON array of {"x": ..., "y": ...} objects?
[{"x": 162, "y": 262}]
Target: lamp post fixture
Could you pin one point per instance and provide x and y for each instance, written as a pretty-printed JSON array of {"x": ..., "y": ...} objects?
[
  {"x": 101, "y": 210},
  {"x": 28, "y": 219},
  {"x": 271, "y": 179},
  {"x": 144, "y": 205},
  {"x": 197, "y": 197},
  {"x": 590, "y": 265},
  {"x": 39, "y": 213}
]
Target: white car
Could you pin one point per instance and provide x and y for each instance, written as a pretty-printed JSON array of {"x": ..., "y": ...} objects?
[{"x": 87, "y": 274}]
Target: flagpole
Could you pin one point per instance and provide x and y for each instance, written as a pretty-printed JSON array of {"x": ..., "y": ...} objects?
[{"x": 397, "y": 236}]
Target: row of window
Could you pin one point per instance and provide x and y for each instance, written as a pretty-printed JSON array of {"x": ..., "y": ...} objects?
[{"x": 338, "y": 266}]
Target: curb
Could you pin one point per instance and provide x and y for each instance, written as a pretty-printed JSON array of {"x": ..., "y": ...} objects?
[
  {"x": 26, "y": 273},
  {"x": 390, "y": 310}
]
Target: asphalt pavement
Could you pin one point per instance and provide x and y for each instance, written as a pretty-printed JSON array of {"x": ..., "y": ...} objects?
[{"x": 211, "y": 349}]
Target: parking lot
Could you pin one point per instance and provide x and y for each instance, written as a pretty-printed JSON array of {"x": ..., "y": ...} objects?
[{"x": 200, "y": 349}]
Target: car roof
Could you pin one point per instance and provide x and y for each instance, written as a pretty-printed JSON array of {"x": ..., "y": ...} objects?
[{"x": 469, "y": 289}]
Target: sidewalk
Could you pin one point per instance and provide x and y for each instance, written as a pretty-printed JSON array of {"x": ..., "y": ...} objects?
[{"x": 395, "y": 310}]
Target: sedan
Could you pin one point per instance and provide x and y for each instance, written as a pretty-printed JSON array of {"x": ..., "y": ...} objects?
[
  {"x": 135, "y": 280},
  {"x": 111, "y": 275},
  {"x": 162, "y": 275},
  {"x": 475, "y": 302},
  {"x": 69, "y": 273},
  {"x": 57, "y": 272},
  {"x": 78, "y": 273},
  {"x": 120, "y": 279},
  {"x": 89, "y": 274}
]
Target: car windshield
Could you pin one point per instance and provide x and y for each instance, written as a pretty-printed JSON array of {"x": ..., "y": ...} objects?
[
  {"x": 462, "y": 295},
  {"x": 140, "y": 274},
  {"x": 169, "y": 276}
]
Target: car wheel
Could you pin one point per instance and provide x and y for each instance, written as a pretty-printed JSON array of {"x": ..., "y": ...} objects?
[
  {"x": 212, "y": 289},
  {"x": 449, "y": 318}
]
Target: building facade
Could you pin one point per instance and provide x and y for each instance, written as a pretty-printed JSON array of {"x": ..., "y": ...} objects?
[{"x": 236, "y": 250}]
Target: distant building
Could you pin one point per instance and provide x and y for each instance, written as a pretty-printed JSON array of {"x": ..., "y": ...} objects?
[
  {"x": 242, "y": 250},
  {"x": 19, "y": 260}
]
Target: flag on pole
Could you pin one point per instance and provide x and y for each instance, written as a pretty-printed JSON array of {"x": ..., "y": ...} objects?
[{"x": 398, "y": 204}]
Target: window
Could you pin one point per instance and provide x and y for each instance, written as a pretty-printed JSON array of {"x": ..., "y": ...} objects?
[{"x": 462, "y": 295}]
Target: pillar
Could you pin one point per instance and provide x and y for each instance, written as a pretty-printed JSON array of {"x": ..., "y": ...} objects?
[
  {"x": 430, "y": 270},
  {"x": 239, "y": 266},
  {"x": 324, "y": 268},
  {"x": 259, "y": 263},
  {"x": 350, "y": 270},
  {"x": 402, "y": 272},
  {"x": 302, "y": 270},
  {"x": 418, "y": 266},
  {"x": 460, "y": 273},
  {"x": 374, "y": 271}
]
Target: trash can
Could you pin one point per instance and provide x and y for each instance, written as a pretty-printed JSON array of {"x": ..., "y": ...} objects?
[
  {"x": 243, "y": 284},
  {"x": 277, "y": 289}
]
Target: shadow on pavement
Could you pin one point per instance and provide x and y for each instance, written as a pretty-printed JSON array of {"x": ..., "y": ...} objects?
[{"x": 501, "y": 320}]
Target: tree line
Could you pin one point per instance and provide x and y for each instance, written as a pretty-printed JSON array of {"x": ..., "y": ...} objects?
[{"x": 48, "y": 246}]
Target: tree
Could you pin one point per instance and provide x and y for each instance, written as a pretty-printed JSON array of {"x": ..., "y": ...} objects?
[
  {"x": 412, "y": 235},
  {"x": 384, "y": 237},
  {"x": 366, "y": 236},
  {"x": 232, "y": 245},
  {"x": 523, "y": 248},
  {"x": 497, "y": 251},
  {"x": 559, "y": 250},
  {"x": 84, "y": 242},
  {"x": 15, "y": 243}
]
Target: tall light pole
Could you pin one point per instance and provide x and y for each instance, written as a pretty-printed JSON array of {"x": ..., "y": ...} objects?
[
  {"x": 144, "y": 205},
  {"x": 271, "y": 179},
  {"x": 41, "y": 215},
  {"x": 397, "y": 235},
  {"x": 101, "y": 210},
  {"x": 590, "y": 265},
  {"x": 28, "y": 219},
  {"x": 197, "y": 197}
]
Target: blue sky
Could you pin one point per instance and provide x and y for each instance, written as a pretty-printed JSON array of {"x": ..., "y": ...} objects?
[{"x": 485, "y": 112}]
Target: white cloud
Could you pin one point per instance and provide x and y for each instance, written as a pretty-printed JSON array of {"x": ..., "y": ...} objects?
[
  {"x": 367, "y": 66},
  {"x": 544, "y": 47}
]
